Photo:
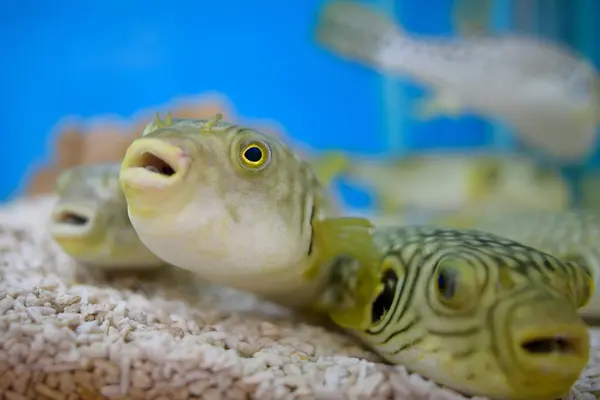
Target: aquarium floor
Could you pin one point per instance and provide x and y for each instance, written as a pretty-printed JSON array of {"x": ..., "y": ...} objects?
[{"x": 69, "y": 333}]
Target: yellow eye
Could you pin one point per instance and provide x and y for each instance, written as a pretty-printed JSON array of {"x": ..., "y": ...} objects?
[{"x": 255, "y": 156}]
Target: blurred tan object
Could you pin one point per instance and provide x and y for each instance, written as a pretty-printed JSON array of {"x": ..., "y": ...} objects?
[
  {"x": 451, "y": 182},
  {"x": 106, "y": 138}
]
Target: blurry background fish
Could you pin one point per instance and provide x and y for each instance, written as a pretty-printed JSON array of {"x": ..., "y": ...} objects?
[{"x": 492, "y": 132}]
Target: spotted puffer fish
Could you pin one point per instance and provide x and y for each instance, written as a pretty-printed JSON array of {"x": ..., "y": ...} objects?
[
  {"x": 569, "y": 235},
  {"x": 478, "y": 313},
  {"x": 90, "y": 222},
  {"x": 233, "y": 205},
  {"x": 548, "y": 94}
]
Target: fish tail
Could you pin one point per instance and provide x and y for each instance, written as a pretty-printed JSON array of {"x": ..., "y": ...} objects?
[{"x": 357, "y": 31}]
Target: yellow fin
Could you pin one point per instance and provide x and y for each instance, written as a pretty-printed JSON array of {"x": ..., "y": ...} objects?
[
  {"x": 330, "y": 166},
  {"x": 352, "y": 237},
  {"x": 440, "y": 104}
]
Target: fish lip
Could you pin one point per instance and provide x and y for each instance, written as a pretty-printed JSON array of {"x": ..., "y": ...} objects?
[{"x": 169, "y": 162}]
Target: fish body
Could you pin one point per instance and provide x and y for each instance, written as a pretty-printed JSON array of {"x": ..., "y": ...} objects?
[
  {"x": 568, "y": 235},
  {"x": 230, "y": 203},
  {"x": 473, "y": 311},
  {"x": 90, "y": 221},
  {"x": 548, "y": 94},
  {"x": 442, "y": 183}
]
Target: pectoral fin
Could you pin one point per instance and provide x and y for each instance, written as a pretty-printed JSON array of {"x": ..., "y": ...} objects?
[{"x": 350, "y": 237}]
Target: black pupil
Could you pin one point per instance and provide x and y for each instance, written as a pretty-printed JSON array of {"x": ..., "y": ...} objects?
[
  {"x": 384, "y": 301},
  {"x": 445, "y": 284},
  {"x": 253, "y": 154}
]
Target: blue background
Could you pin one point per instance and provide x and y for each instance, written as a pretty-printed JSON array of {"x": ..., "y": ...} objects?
[{"x": 90, "y": 58}]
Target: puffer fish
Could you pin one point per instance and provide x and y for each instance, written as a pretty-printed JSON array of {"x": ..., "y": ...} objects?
[
  {"x": 231, "y": 204},
  {"x": 90, "y": 222},
  {"x": 572, "y": 235},
  {"x": 546, "y": 92},
  {"x": 473, "y": 311},
  {"x": 442, "y": 183}
]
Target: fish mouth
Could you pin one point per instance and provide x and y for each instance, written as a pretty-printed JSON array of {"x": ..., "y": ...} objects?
[
  {"x": 560, "y": 351},
  {"x": 152, "y": 163},
  {"x": 553, "y": 345},
  {"x": 71, "y": 220}
]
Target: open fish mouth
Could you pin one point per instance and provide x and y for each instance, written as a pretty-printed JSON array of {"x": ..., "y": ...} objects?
[
  {"x": 553, "y": 345},
  {"x": 71, "y": 218},
  {"x": 155, "y": 164},
  {"x": 152, "y": 162}
]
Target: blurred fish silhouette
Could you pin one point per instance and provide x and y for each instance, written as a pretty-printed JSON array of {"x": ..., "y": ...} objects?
[
  {"x": 547, "y": 93},
  {"x": 448, "y": 182}
]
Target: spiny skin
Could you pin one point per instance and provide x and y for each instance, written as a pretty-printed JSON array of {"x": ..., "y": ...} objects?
[
  {"x": 90, "y": 220},
  {"x": 198, "y": 204},
  {"x": 568, "y": 235},
  {"x": 476, "y": 312}
]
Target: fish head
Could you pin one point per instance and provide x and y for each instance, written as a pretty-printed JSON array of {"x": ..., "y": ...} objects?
[
  {"x": 481, "y": 324},
  {"x": 225, "y": 201},
  {"x": 80, "y": 221}
]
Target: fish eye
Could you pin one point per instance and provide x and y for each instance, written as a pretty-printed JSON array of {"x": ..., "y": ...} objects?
[
  {"x": 389, "y": 282},
  {"x": 456, "y": 284},
  {"x": 255, "y": 156}
]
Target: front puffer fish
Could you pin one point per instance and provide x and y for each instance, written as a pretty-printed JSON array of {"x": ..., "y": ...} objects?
[
  {"x": 232, "y": 204},
  {"x": 549, "y": 95},
  {"x": 475, "y": 312},
  {"x": 568, "y": 235},
  {"x": 90, "y": 221}
]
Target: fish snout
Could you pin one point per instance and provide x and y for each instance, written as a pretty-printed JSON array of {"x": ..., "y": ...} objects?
[
  {"x": 551, "y": 345},
  {"x": 153, "y": 161}
]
